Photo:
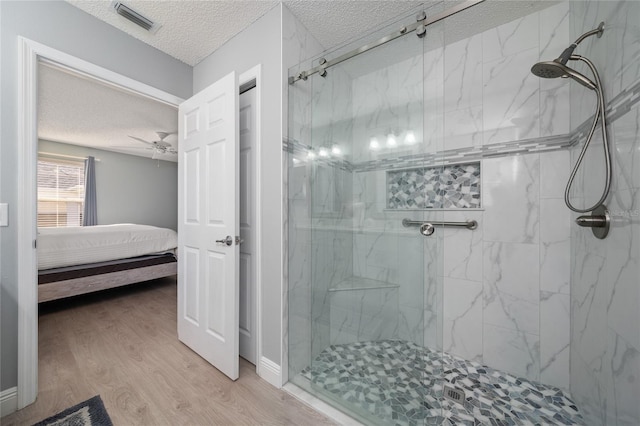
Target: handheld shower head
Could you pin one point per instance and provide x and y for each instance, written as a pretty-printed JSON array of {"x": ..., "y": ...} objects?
[
  {"x": 558, "y": 67},
  {"x": 555, "y": 69}
]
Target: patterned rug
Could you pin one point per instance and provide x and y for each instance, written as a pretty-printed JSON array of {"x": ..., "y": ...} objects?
[{"x": 88, "y": 413}]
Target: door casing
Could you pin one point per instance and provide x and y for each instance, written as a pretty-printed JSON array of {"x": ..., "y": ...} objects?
[{"x": 29, "y": 54}]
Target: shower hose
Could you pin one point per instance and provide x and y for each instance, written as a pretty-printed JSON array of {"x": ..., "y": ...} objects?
[{"x": 599, "y": 116}]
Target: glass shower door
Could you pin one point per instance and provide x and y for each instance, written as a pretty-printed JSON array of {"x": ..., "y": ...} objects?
[{"x": 364, "y": 282}]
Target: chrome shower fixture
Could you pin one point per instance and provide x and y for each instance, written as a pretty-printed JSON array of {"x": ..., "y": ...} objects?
[
  {"x": 558, "y": 68},
  {"x": 555, "y": 69}
]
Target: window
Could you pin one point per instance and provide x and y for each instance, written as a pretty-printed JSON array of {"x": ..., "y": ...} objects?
[{"x": 60, "y": 193}]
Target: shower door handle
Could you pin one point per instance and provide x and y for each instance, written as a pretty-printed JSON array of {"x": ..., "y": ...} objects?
[{"x": 427, "y": 229}]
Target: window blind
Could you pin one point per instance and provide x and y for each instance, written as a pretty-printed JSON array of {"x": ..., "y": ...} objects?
[{"x": 60, "y": 193}]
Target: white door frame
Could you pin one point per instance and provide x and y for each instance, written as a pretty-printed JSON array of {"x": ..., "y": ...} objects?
[
  {"x": 29, "y": 53},
  {"x": 255, "y": 73}
]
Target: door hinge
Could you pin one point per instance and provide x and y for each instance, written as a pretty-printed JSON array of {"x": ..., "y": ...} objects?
[{"x": 35, "y": 244}]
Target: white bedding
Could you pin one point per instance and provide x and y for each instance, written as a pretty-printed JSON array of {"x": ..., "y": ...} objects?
[{"x": 77, "y": 245}]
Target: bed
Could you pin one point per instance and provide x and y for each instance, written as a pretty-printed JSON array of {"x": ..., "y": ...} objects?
[{"x": 79, "y": 260}]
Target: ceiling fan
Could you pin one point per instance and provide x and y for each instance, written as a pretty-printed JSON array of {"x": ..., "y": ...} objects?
[{"x": 159, "y": 146}]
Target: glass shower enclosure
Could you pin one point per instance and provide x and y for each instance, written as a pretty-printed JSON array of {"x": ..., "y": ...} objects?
[
  {"x": 396, "y": 315},
  {"x": 364, "y": 289}
]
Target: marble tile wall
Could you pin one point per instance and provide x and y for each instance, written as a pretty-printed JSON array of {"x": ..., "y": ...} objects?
[
  {"x": 506, "y": 292},
  {"x": 490, "y": 96},
  {"x": 387, "y": 101},
  {"x": 498, "y": 295},
  {"x": 605, "y": 296}
]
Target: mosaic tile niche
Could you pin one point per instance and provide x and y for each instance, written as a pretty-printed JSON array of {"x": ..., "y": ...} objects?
[{"x": 451, "y": 186}]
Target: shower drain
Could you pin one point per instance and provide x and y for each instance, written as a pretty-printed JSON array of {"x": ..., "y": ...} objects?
[{"x": 453, "y": 394}]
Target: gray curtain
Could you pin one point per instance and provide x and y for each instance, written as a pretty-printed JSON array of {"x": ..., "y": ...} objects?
[{"x": 90, "y": 215}]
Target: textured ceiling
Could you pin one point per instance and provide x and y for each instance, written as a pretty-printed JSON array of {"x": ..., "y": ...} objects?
[
  {"x": 76, "y": 110},
  {"x": 191, "y": 30},
  {"x": 334, "y": 22}
]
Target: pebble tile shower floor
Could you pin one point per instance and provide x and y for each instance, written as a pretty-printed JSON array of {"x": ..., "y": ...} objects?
[{"x": 398, "y": 382}]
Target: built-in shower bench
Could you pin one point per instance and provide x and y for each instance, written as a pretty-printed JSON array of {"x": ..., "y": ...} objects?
[{"x": 361, "y": 283}]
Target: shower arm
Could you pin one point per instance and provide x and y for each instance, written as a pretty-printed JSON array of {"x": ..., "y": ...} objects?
[
  {"x": 597, "y": 31},
  {"x": 568, "y": 52},
  {"x": 599, "y": 116}
]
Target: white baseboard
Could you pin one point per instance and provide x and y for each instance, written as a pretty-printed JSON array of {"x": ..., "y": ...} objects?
[
  {"x": 271, "y": 372},
  {"x": 8, "y": 401}
]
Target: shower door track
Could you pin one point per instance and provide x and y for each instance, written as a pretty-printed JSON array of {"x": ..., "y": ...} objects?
[{"x": 421, "y": 23}]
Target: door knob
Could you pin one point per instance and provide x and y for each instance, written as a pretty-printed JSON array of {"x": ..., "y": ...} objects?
[{"x": 228, "y": 241}]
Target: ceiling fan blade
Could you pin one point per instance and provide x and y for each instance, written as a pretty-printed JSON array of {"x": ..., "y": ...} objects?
[
  {"x": 130, "y": 147},
  {"x": 162, "y": 135},
  {"x": 140, "y": 140}
]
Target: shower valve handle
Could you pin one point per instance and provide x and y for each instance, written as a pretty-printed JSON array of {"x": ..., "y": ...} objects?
[
  {"x": 592, "y": 221},
  {"x": 599, "y": 221}
]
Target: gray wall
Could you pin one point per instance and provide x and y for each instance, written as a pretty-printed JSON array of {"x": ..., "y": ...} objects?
[
  {"x": 66, "y": 28},
  {"x": 260, "y": 44},
  {"x": 130, "y": 188}
]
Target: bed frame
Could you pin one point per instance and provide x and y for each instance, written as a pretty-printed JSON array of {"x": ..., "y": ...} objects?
[{"x": 62, "y": 288}]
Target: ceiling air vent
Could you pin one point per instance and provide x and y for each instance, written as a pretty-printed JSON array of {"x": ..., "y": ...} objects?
[{"x": 135, "y": 17}]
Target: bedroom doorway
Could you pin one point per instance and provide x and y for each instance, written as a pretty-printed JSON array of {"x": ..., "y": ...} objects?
[{"x": 31, "y": 54}]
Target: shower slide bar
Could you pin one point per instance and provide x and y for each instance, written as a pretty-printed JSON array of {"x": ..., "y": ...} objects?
[
  {"x": 428, "y": 228},
  {"x": 419, "y": 27}
]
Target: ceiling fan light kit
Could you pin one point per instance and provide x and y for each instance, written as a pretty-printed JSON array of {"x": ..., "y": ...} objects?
[{"x": 160, "y": 146}]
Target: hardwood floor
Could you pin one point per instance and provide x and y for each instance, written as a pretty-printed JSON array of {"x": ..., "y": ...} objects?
[{"x": 122, "y": 344}]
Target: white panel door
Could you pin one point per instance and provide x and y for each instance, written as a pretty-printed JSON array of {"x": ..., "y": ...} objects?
[
  {"x": 208, "y": 200},
  {"x": 247, "y": 121}
]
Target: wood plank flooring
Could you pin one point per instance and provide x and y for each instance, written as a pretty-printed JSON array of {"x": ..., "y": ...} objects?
[{"x": 122, "y": 344}]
